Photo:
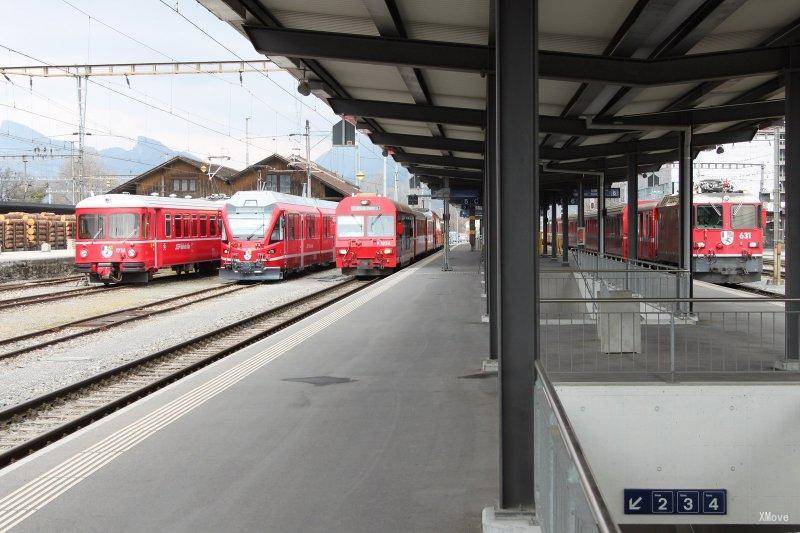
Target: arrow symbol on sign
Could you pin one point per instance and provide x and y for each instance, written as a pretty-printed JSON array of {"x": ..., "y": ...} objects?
[{"x": 635, "y": 505}]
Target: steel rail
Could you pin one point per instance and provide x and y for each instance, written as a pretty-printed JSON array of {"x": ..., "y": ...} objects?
[
  {"x": 30, "y": 284},
  {"x": 670, "y": 300},
  {"x": 602, "y": 515},
  {"x": 15, "y": 415},
  {"x": 132, "y": 312}
]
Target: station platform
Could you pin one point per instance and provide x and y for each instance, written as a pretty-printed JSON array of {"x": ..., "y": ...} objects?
[
  {"x": 369, "y": 416},
  {"x": 36, "y": 264},
  {"x": 741, "y": 339}
]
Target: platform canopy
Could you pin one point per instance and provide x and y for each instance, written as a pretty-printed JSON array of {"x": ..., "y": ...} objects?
[{"x": 611, "y": 72}]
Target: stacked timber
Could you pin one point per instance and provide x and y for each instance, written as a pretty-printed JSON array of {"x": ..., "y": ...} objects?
[{"x": 28, "y": 231}]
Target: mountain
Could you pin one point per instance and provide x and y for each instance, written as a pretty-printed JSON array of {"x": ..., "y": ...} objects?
[
  {"x": 45, "y": 156},
  {"x": 145, "y": 154},
  {"x": 342, "y": 160}
]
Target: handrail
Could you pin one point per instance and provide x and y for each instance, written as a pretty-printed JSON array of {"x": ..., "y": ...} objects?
[
  {"x": 755, "y": 299},
  {"x": 619, "y": 258},
  {"x": 597, "y": 505}
]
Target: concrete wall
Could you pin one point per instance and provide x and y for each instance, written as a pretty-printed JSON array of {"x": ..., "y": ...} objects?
[
  {"x": 36, "y": 265},
  {"x": 741, "y": 437}
]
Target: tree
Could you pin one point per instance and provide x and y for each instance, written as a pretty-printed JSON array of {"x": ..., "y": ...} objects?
[
  {"x": 94, "y": 173},
  {"x": 15, "y": 187}
]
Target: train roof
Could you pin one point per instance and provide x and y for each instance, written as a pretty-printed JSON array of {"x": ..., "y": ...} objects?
[
  {"x": 265, "y": 198},
  {"x": 135, "y": 200},
  {"x": 714, "y": 198},
  {"x": 385, "y": 199}
]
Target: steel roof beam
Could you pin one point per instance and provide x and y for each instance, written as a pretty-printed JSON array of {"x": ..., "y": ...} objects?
[
  {"x": 439, "y": 161},
  {"x": 449, "y": 172},
  {"x": 310, "y": 44},
  {"x": 662, "y": 143},
  {"x": 668, "y": 71},
  {"x": 428, "y": 143},
  {"x": 703, "y": 115},
  {"x": 412, "y": 112}
]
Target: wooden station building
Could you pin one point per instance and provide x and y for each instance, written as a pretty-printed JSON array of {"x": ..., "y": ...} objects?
[{"x": 184, "y": 176}]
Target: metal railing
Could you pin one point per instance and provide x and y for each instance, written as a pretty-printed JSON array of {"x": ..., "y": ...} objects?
[
  {"x": 655, "y": 336},
  {"x": 642, "y": 278},
  {"x": 567, "y": 496}
]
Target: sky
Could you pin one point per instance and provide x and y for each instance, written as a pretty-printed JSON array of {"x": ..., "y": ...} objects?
[{"x": 202, "y": 114}]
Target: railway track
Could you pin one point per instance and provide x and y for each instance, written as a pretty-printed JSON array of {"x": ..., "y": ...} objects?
[
  {"x": 86, "y": 326},
  {"x": 80, "y": 291},
  {"x": 31, "y": 425},
  {"x": 31, "y": 284}
]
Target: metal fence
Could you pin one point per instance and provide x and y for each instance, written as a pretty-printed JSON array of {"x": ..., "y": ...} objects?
[
  {"x": 635, "y": 335},
  {"x": 567, "y": 497},
  {"x": 642, "y": 278}
]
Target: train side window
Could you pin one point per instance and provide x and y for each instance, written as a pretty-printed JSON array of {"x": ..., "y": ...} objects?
[
  {"x": 292, "y": 223},
  {"x": 744, "y": 216},
  {"x": 195, "y": 232},
  {"x": 146, "y": 225},
  {"x": 178, "y": 226},
  {"x": 212, "y": 226},
  {"x": 277, "y": 232},
  {"x": 167, "y": 225},
  {"x": 187, "y": 225},
  {"x": 311, "y": 226},
  {"x": 708, "y": 216},
  {"x": 203, "y": 226}
]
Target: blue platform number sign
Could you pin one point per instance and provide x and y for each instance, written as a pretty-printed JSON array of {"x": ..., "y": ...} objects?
[{"x": 677, "y": 501}]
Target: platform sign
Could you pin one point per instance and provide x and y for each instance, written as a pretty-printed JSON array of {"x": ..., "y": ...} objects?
[
  {"x": 676, "y": 501},
  {"x": 441, "y": 194},
  {"x": 591, "y": 192}
]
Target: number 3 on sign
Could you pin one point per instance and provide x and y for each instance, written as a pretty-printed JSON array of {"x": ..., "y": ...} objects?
[{"x": 688, "y": 502}]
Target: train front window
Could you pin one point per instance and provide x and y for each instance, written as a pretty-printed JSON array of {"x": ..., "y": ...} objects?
[
  {"x": 123, "y": 225},
  {"x": 248, "y": 222},
  {"x": 91, "y": 226},
  {"x": 380, "y": 225},
  {"x": 744, "y": 216},
  {"x": 349, "y": 226},
  {"x": 709, "y": 216}
]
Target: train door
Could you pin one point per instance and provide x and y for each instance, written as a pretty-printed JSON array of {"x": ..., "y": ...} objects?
[{"x": 293, "y": 242}]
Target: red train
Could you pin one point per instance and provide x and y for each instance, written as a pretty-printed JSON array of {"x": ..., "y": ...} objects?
[
  {"x": 727, "y": 233},
  {"x": 269, "y": 234},
  {"x": 128, "y": 238},
  {"x": 375, "y": 236}
]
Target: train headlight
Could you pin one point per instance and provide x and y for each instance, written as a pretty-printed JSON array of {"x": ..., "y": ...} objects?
[
  {"x": 270, "y": 251},
  {"x": 387, "y": 250},
  {"x": 753, "y": 245},
  {"x": 131, "y": 253},
  {"x": 342, "y": 252},
  {"x": 84, "y": 252},
  {"x": 700, "y": 244},
  {"x": 227, "y": 250}
]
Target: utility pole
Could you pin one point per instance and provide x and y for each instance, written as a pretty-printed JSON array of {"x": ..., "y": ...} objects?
[
  {"x": 446, "y": 216},
  {"x": 81, "y": 131},
  {"x": 396, "y": 196},
  {"x": 247, "y": 141},
  {"x": 308, "y": 160},
  {"x": 384, "y": 176},
  {"x": 777, "y": 248}
]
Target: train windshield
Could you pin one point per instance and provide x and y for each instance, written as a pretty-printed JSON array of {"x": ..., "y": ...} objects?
[
  {"x": 709, "y": 216},
  {"x": 113, "y": 226},
  {"x": 744, "y": 216},
  {"x": 249, "y": 222},
  {"x": 380, "y": 225},
  {"x": 349, "y": 226}
]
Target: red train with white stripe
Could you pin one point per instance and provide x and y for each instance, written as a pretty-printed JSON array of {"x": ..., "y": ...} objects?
[
  {"x": 128, "y": 238},
  {"x": 375, "y": 235},
  {"x": 727, "y": 233},
  {"x": 269, "y": 234}
]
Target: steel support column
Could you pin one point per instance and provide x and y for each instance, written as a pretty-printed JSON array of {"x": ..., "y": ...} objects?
[
  {"x": 792, "y": 202},
  {"x": 601, "y": 212},
  {"x": 565, "y": 229},
  {"x": 545, "y": 237},
  {"x": 518, "y": 180},
  {"x": 633, "y": 206},
  {"x": 581, "y": 222},
  {"x": 685, "y": 219},
  {"x": 490, "y": 213},
  {"x": 553, "y": 228}
]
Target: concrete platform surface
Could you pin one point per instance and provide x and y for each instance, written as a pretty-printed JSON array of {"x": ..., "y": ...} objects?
[{"x": 366, "y": 417}]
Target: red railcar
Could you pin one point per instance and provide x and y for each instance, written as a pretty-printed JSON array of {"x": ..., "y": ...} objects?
[
  {"x": 375, "y": 235},
  {"x": 269, "y": 234},
  {"x": 727, "y": 234},
  {"x": 128, "y": 238}
]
